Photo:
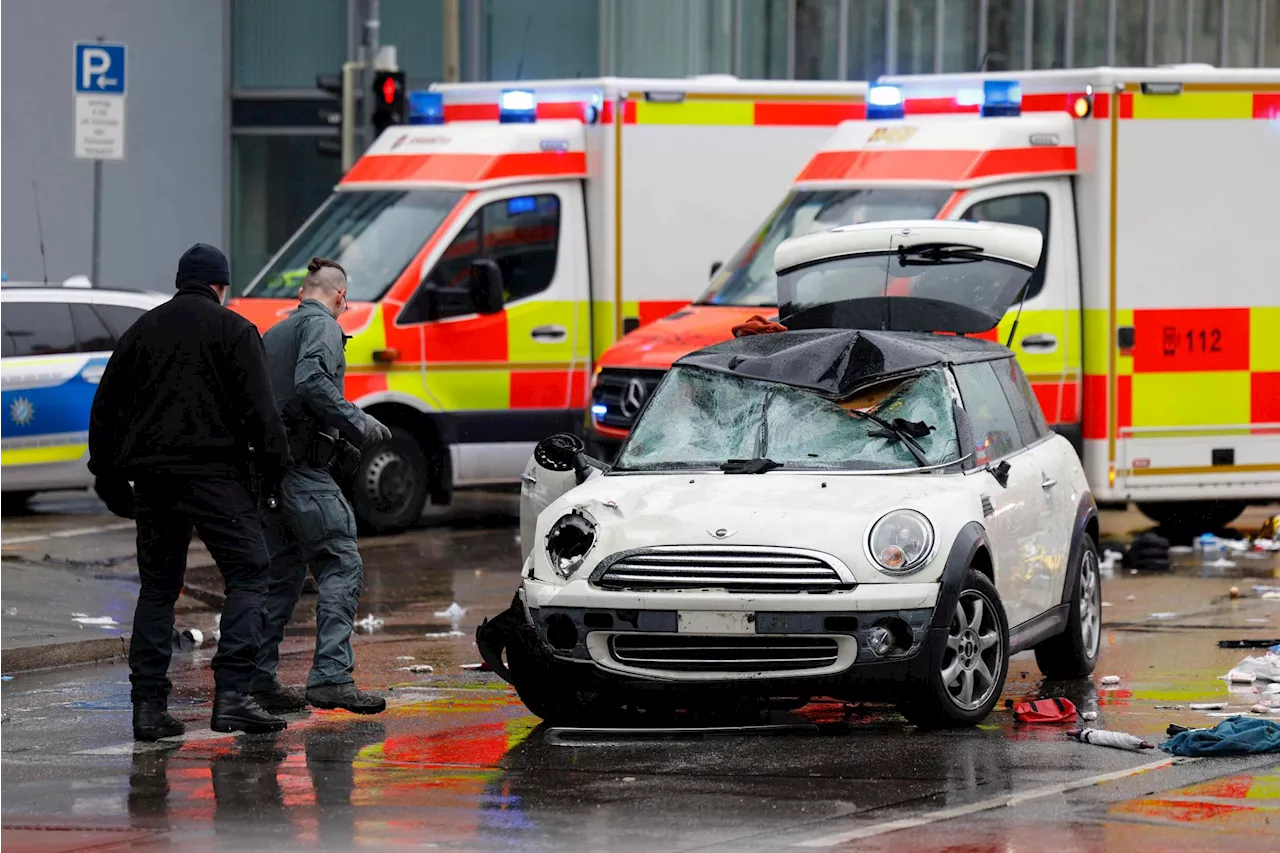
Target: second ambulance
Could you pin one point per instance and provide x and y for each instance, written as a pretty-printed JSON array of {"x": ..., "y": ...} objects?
[{"x": 1150, "y": 331}]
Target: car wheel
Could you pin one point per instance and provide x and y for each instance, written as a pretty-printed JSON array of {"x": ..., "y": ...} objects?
[
  {"x": 15, "y": 503},
  {"x": 390, "y": 488},
  {"x": 965, "y": 681},
  {"x": 1193, "y": 517},
  {"x": 1074, "y": 652}
]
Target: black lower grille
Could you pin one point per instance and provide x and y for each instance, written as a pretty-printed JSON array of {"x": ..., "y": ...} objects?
[
  {"x": 747, "y": 653},
  {"x": 623, "y": 393}
]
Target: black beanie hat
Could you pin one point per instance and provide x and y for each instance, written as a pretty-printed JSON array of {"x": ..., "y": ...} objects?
[{"x": 205, "y": 264}]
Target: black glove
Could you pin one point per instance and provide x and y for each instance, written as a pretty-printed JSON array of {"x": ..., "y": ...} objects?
[
  {"x": 117, "y": 494},
  {"x": 345, "y": 463}
]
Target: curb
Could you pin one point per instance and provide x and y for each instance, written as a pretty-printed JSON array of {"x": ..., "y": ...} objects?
[{"x": 54, "y": 655}]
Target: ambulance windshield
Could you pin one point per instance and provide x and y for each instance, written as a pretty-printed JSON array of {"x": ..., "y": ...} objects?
[
  {"x": 748, "y": 277},
  {"x": 374, "y": 235}
]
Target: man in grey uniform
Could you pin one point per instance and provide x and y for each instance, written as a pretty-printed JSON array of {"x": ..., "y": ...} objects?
[{"x": 313, "y": 524}]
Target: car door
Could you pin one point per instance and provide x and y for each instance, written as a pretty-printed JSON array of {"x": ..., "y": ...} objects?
[
  {"x": 1011, "y": 514},
  {"x": 508, "y": 379},
  {"x": 1047, "y": 342}
]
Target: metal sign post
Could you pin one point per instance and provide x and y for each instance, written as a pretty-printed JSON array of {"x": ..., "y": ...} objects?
[{"x": 99, "y": 88}]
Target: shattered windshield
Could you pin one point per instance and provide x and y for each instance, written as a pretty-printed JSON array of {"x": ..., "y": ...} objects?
[
  {"x": 748, "y": 277},
  {"x": 704, "y": 419},
  {"x": 374, "y": 235}
]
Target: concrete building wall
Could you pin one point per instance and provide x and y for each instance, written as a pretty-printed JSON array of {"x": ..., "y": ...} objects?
[{"x": 169, "y": 192}]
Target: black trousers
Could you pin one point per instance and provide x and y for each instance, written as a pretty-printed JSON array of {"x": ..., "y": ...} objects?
[{"x": 225, "y": 515}]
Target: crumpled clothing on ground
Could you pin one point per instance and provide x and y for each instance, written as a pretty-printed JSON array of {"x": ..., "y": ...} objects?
[{"x": 1233, "y": 736}]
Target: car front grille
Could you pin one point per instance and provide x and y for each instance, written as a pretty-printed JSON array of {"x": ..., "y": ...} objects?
[
  {"x": 716, "y": 567},
  {"x": 746, "y": 653},
  {"x": 623, "y": 393}
]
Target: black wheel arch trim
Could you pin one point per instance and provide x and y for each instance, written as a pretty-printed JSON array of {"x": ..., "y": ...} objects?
[
  {"x": 971, "y": 539},
  {"x": 1086, "y": 511}
]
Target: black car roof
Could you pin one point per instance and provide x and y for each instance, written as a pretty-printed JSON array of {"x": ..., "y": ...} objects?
[{"x": 837, "y": 362}]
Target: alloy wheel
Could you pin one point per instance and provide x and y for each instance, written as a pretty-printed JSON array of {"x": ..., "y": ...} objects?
[
  {"x": 974, "y": 655},
  {"x": 1090, "y": 606}
]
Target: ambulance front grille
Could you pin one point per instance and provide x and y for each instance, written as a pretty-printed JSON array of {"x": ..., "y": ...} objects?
[
  {"x": 623, "y": 393},
  {"x": 741, "y": 569}
]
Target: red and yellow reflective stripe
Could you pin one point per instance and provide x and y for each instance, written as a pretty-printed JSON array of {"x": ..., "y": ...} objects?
[
  {"x": 466, "y": 168},
  {"x": 937, "y": 165},
  {"x": 727, "y": 110}
]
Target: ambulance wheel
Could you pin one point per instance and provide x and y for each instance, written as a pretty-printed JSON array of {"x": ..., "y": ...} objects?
[
  {"x": 391, "y": 487},
  {"x": 15, "y": 503},
  {"x": 1074, "y": 652},
  {"x": 965, "y": 679},
  {"x": 1193, "y": 517}
]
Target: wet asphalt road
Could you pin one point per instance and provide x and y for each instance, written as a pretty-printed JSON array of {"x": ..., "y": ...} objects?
[{"x": 458, "y": 763}]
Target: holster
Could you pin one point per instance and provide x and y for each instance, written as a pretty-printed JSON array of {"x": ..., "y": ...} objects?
[{"x": 308, "y": 444}]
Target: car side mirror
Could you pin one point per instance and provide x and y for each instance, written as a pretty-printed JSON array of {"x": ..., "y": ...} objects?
[
  {"x": 484, "y": 286},
  {"x": 715, "y": 268},
  {"x": 565, "y": 451},
  {"x": 1001, "y": 473}
]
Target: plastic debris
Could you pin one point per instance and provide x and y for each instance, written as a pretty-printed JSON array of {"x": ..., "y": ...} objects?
[
  {"x": 1088, "y": 716},
  {"x": 1115, "y": 740},
  {"x": 628, "y": 778},
  {"x": 453, "y": 612},
  {"x": 1110, "y": 560},
  {"x": 421, "y": 668},
  {"x": 405, "y": 657},
  {"x": 370, "y": 623},
  {"x": 1258, "y": 620},
  {"x": 1247, "y": 644},
  {"x": 6, "y": 678},
  {"x": 11, "y": 611},
  {"x": 1107, "y": 604},
  {"x": 1272, "y": 688},
  {"x": 1271, "y": 596},
  {"x": 1234, "y": 544},
  {"x": 1180, "y": 549},
  {"x": 1168, "y": 707},
  {"x": 442, "y": 635},
  {"x": 1263, "y": 668},
  {"x": 1131, "y": 598},
  {"x": 1109, "y": 680},
  {"x": 100, "y": 621},
  {"x": 1235, "y": 676},
  {"x": 479, "y": 667},
  {"x": 1164, "y": 614},
  {"x": 1233, "y": 736},
  {"x": 1266, "y": 544},
  {"x": 1265, "y": 708},
  {"x": 1221, "y": 563},
  {"x": 1208, "y": 706}
]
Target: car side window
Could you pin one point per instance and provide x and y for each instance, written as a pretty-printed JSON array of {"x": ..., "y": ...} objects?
[
  {"x": 6, "y": 341},
  {"x": 92, "y": 334},
  {"x": 1030, "y": 209},
  {"x": 39, "y": 328},
  {"x": 118, "y": 317},
  {"x": 522, "y": 235},
  {"x": 1026, "y": 409},
  {"x": 995, "y": 430}
]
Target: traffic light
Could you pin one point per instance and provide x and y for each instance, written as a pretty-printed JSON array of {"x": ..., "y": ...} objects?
[
  {"x": 388, "y": 101},
  {"x": 345, "y": 118}
]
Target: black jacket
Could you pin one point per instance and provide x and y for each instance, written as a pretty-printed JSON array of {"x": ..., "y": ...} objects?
[{"x": 186, "y": 392}]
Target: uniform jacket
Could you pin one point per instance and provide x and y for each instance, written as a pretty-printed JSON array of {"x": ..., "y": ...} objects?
[{"x": 186, "y": 392}]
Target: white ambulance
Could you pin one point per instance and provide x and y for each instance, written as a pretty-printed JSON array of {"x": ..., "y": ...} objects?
[
  {"x": 1151, "y": 332},
  {"x": 507, "y": 236}
]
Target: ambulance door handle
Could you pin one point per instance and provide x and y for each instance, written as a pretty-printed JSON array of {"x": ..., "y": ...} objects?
[
  {"x": 549, "y": 334},
  {"x": 1040, "y": 342}
]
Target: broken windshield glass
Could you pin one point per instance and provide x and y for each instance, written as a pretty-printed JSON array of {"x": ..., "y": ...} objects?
[{"x": 705, "y": 419}]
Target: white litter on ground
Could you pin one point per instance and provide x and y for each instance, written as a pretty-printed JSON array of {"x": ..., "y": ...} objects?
[
  {"x": 1131, "y": 598},
  {"x": 370, "y": 623},
  {"x": 99, "y": 621},
  {"x": 453, "y": 612},
  {"x": 420, "y": 668},
  {"x": 442, "y": 635},
  {"x": 1109, "y": 679},
  {"x": 1264, "y": 668},
  {"x": 1208, "y": 706},
  {"x": 1089, "y": 716},
  {"x": 1164, "y": 614},
  {"x": 405, "y": 657}
]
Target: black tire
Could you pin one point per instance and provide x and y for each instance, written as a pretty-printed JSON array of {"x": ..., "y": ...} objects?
[
  {"x": 963, "y": 658},
  {"x": 390, "y": 489},
  {"x": 14, "y": 503},
  {"x": 1074, "y": 652},
  {"x": 1193, "y": 517}
]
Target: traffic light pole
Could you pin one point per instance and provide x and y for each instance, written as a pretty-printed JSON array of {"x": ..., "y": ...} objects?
[{"x": 372, "y": 25}]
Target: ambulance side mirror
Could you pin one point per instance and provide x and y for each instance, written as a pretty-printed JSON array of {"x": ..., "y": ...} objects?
[{"x": 485, "y": 286}]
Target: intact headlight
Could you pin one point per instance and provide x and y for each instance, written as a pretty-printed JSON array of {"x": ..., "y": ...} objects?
[
  {"x": 569, "y": 541},
  {"x": 901, "y": 541}
]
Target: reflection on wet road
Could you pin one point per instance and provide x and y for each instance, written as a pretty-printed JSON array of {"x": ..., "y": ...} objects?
[{"x": 457, "y": 762}]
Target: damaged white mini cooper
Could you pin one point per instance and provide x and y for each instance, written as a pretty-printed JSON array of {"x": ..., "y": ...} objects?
[{"x": 858, "y": 507}]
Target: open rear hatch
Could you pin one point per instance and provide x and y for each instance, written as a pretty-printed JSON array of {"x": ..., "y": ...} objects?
[{"x": 925, "y": 276}]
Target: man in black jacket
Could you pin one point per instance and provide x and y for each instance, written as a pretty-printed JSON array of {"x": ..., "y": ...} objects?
[{"x": 185, "y": 411}]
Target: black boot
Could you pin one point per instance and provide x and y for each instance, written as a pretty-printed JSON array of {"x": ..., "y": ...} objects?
[
  {"x": 348, "y": 697},
  {"x": 151, "y": 720},
  {"x": 238, "y": 712},
  {"x": 279, "y": 699}
]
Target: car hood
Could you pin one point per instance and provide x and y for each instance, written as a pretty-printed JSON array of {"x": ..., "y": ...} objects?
[
  {"x": 693, "y": 327},
  {"x": 827, "y": 513}
]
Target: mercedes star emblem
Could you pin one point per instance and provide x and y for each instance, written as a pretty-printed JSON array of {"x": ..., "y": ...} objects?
[{"x": 632, "y": 397}]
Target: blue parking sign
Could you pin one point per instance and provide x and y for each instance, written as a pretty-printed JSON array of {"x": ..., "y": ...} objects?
[{"x": 99, "y": 68}]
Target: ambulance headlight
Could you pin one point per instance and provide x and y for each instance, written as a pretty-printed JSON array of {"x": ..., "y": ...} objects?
[
  {"x": 901, "y": 542},
  {"x": 569, "y": 541},
  {"x": 517, "y": 106}
]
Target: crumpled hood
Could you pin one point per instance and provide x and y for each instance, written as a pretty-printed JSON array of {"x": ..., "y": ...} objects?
[
  {"x": 831, "y": 514},
  {"x": 693, "y": 327}
]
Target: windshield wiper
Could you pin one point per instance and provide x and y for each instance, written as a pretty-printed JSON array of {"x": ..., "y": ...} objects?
[
  {"x": 933, "y": 254},
  {"x": 749, "y": 466},
  {"x": 899, "y": 430}
]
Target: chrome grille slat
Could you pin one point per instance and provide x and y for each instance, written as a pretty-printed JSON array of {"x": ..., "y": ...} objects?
[
  {"x": 746, "y": 653},
  {"x": 741, "y": 569}
]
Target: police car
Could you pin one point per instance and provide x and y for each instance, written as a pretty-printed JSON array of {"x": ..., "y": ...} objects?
[{"x": 56, "y": 342}]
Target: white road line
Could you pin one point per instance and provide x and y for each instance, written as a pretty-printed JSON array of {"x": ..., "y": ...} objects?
[
  {"x": 65, "y": 534},
  {"x": 980, "y": 806}
]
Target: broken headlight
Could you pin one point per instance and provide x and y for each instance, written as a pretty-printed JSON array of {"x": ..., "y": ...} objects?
[
  {"x": 569, "y": 541},
  {"x": 901, "y": 542}
]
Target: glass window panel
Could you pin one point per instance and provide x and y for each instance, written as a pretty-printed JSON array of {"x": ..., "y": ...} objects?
[
  {"x": 39, "y": 328},
  {"x": 917, "y": 25},
  {"x": 92, "y": 334},
  {"x": 1131, "y": 34},
  {"x": 995, "y": 432},
  {"x": 563, "y": 38},
  {"x": 1242, "y": 33},
  {"x": 1090, "y": 33},
  {"x": 118, "y": 317},
  {"x": 1271, "y": 41},
  {"x": 284, "y": 44},
  {"x": 817, "y": 39},
  {"x": 1006, "y": 35},
  {"x": 1170, "y": 25},
  {"x": 866, "y": 39},
  {"x": 1049, "y": 23},
  {"x": 764, "y": 39},
  {"x": 960, "y": 47},
  {"x": 417, "y": 31},
  {"x": 1206, "y": 30}
]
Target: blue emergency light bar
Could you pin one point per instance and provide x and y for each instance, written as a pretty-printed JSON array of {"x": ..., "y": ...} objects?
[
  {"x": 884, "y": 102},
  {"x": 1001, "y": 98},
  {"x": 517, "y": 106},
  {"x": 426, "y": 107}
]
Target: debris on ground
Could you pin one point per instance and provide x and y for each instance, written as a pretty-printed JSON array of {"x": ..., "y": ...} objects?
[
  {"x": 1233, "y": 736},
  {"x": 452, "y": 612},
  {"x": 1131, "y": 598},
  {"x": 1044, "y": 711},
  {"x": 1247, "y": 644},
  {"x": 1263, "y": 668},
  {"x": 370, "y": 623},
  {"x": 1234, "y": 592},
  {"x": 1266, "y": 708},
  {"x": 405, "y": 657},
  {"x": 1115, "y": 740},
  {"x": 1088, "y": 716},
  {"x": 442, "y": 635},
  {"x": 11, "y": 611},
  {"x": 1164, "y": 614},
  {"x": 1271, "y": 596},
  {"x": 1208, "y": 706},
  {"x": 417, "y": 668},
  {"x": 1235, "y": 676},
  {"x": 478, "y": 667},
  {"x": 99, "y": 621},
  {"x": 1168, "y": 707},
  {"x": 186, "y": 640},
  {"x": 1149, "y": 552},
  {"x": 1107, "y": 604},
  {"x": 6, "y": 678},
  {"x": 1109, "y": 680},
  {"x": 1110, "y": 560}
]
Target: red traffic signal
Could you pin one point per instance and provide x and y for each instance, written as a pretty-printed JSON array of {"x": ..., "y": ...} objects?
[{"x": 389, "y": 100}]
